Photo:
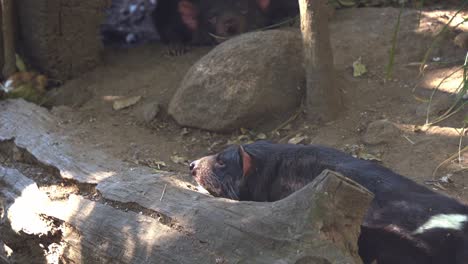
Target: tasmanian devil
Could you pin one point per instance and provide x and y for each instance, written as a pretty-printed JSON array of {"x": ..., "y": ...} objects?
[
  {"x": 204, "y": 22},
  {"x": 406, "y": 223}
]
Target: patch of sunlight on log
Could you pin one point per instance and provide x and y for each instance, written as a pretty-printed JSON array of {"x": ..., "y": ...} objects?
[
  {"x": 24, "y": 212},
  {"x": 99, "y": 175},
  {"x": 67, "y": 210}
]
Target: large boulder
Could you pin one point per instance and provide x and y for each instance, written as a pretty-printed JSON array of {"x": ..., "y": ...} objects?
[{"x": 247, "y": 81}]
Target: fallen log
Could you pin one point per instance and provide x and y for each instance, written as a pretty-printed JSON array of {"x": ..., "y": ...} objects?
[{"x": 130, "y": 223}]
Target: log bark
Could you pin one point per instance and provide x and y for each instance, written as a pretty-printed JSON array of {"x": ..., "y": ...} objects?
[
  {"x": 132, "y": 224},
  {"x": 9, "y": 52},
  {"x": 324, "y": 99}
]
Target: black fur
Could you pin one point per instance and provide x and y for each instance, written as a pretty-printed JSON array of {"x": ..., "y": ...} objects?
[
  {"x": 168, "y": 23},
  {"x": 399, "y": 208},
  {"x": 225, "y": 19}
]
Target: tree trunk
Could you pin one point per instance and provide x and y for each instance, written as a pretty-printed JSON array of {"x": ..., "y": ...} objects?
[
  {"x": 2, "y": 60},
  {"x": 324, "y": 99},
  {"x": 9, "y": 53},
  {"x": 127, "y": 214}
]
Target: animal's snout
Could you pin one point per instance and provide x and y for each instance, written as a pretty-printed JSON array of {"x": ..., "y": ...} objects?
[{"x": 193, "y": 167}]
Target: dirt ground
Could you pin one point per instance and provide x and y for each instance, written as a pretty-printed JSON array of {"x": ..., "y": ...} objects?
[{"x": 145, "y": 71}]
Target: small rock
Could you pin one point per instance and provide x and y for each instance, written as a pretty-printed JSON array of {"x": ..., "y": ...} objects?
[
  {"x": 461, "y": 40},
  {"x": 381, "y": 131},
  {"x": 147, "y": 112}
]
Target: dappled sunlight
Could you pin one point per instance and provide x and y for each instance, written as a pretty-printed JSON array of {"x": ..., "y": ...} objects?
[
  {"x": 103, "y": 228},
  {"x": 438, "y": 78},
  {"x": 434, "y": 130},
  {"x": 444, "y": 16},
  {"x": 24, "y": 212},
  {"x": 67, "y": 210},
  {"x": 444, "y": 131},
  {"x": 93, "y": 176}
]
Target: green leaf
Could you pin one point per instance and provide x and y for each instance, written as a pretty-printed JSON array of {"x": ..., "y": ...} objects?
[{"x": 358, "y": 68}]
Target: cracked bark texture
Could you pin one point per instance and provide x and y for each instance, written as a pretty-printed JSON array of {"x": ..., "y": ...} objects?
[{"x": 318, "y": 224}]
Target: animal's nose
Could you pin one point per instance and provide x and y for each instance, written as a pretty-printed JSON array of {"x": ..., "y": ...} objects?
[{"x": 193, "y": 165}]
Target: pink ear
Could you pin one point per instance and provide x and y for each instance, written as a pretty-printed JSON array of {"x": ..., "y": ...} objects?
[
  {"x": 246, "y": 162},
  {"x": 264, "y": 4},
  {"x": 189, "y": 14}
]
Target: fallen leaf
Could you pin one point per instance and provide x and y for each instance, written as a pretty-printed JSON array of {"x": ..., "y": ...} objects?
[
  {"x": 261, "y": 136},
  {"x": 125, "y": 102},
  {"x": 367, "y": 156},
  {"x": 297, "y": 139},
  {"x": 358, "y": 68}
]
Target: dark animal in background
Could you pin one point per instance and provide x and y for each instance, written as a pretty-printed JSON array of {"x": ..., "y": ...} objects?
[
  {"x": 206, "y": 22},
  {"x": 196, "y": 21},
  {"x": 407, "y": 223},
  {"x": 228, "y": 18},
  {"x": 189, "y": 22}
]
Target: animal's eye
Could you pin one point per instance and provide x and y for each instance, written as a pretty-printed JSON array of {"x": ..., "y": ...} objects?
[{"x": 220, "y": 162}]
